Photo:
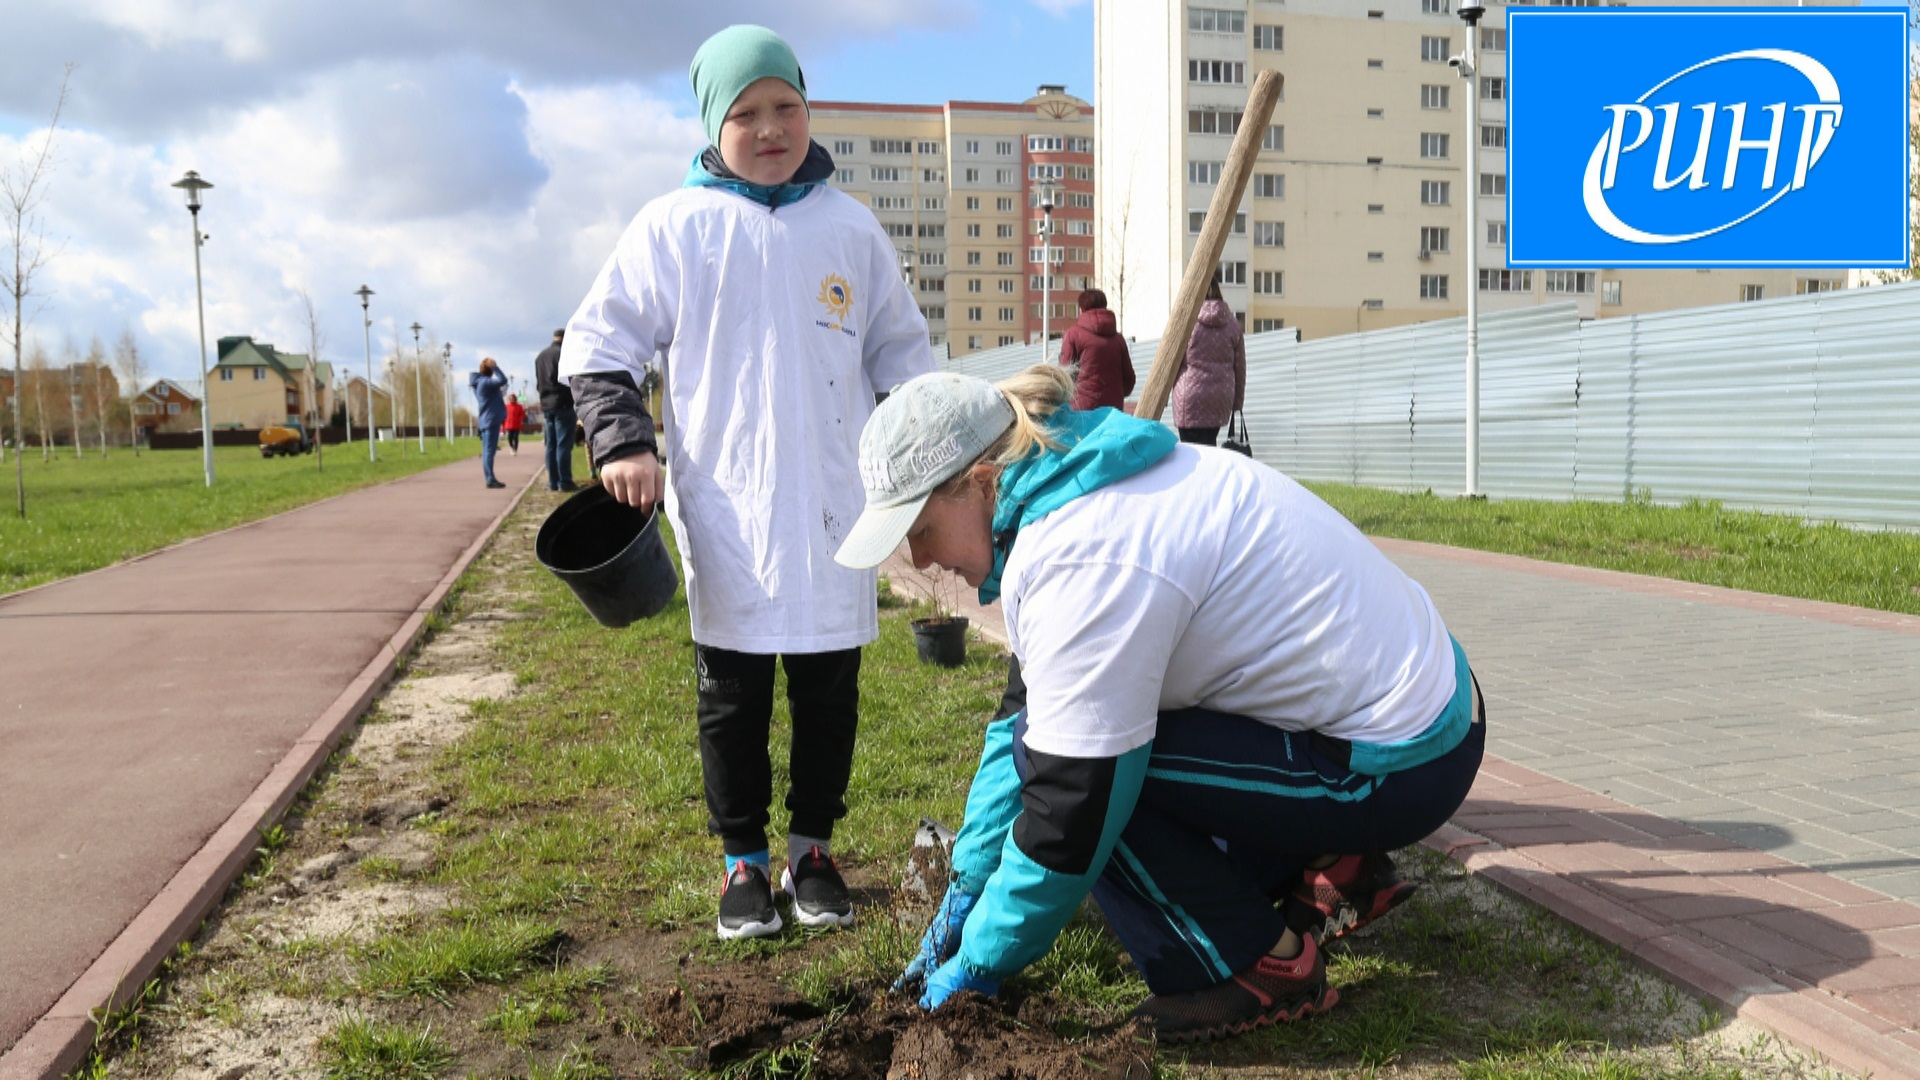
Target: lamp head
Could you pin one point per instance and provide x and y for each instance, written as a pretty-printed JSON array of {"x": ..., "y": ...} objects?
[
  {"x": 364, "y": 294},
  {"x": 1470, "y": 13},
  {"x": 1046, "y": 200},
  {"x": 193, "y": 186},
  {"x": 416, "y": 331}
]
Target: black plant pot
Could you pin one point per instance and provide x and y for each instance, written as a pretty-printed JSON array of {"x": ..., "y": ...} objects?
[{"x": 941, "y": 641}]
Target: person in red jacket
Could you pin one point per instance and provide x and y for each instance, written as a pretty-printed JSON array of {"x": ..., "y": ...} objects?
[
  {"x": 1094, "y": 343},
  {"x": 516, "y": 419}
]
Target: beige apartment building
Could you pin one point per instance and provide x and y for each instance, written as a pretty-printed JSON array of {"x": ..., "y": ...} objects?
[
  {"x": 959, "y": 188},
  {"x": 1355, "y": 215}
]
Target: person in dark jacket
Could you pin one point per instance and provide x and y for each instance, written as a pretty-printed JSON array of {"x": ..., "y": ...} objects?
[
  {"x": 1094, "y": 343},
  {"x": 556, "y": 405},
  {"x": 1213, "y": 377},
  {"x": 489, "y": 386}
]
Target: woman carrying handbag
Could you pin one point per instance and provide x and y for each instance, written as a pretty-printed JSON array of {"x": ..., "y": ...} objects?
[{"x": 1213, "y": 376}]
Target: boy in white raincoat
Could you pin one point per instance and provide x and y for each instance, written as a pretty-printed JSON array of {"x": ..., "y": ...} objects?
[{"x": 778, "y": 305}]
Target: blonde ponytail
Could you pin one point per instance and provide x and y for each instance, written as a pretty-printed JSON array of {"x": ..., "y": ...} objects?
[{"x": 1034, "y": 394}]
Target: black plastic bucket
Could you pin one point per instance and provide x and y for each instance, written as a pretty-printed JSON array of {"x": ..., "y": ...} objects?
[
  {"x": 943, "y": 642},
  {"x": 611, "y": 556}
]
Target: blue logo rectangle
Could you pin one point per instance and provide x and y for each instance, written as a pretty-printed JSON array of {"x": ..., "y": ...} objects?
[{"x": 1707, "y": 137}]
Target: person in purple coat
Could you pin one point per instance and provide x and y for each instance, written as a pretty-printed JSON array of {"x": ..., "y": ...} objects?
[{"x": 1213, "y": 376}]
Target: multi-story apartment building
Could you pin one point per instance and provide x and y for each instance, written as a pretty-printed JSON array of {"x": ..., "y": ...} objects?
[
  {"x": 1355, "y": 216},
  {"x": 959, "y": 188}
]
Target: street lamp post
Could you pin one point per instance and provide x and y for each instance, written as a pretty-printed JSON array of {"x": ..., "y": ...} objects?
[
  {"x": 1046, "y": 270},
  {"x": 419, "y": 400},
  {"x": 1470, "y": 14},
  {"x": 446, "y": 389},
  {"x": 193, "y": 186},
  {"x": 366, "y": 317}
]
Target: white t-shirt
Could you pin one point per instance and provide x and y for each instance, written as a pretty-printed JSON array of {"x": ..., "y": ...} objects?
[
  {"x": 1209, "y": 580},
  {"x": 778, "y": 327}
]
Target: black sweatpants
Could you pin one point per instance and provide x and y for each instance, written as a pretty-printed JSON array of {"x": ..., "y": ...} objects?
[
  {"x": 736, "y": 713},
  {"x": 1201, "y": 436}
]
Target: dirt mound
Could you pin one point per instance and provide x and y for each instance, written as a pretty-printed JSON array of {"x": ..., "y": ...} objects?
[{"x": 731, "y": 1021}]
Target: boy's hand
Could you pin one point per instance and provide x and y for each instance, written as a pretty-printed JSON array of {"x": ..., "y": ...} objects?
[{"x": 633, "y": 480}]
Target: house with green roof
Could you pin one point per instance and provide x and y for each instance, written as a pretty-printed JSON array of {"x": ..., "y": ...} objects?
[{"x": 254, "y": 384}]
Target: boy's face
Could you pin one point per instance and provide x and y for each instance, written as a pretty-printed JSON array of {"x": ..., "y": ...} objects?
[{"x": 765, "y": 136}]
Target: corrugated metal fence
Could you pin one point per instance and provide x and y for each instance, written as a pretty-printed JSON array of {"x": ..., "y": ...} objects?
[{"x": 1807, "y": 405}]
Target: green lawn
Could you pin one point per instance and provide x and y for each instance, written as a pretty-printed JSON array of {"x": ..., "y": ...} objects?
[
  {"x": 92, "y": 512},
  {"x": 1700, "y": 541}
]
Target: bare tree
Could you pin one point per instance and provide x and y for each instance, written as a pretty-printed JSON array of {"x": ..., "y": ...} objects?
[
  {"x": 70, "y": 362},
  {"x": 1117, "y": 246},
  {"x": 23, "y": 185},
  {"x": 133, "y": 368},
  {"x": 97, "y": 368},
  {"x": 42, "y": 374},
  {"x": 315, "y": 342}
]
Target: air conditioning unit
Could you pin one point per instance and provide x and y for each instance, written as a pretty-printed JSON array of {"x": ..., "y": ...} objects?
[{"x": 1425, "y": 254}]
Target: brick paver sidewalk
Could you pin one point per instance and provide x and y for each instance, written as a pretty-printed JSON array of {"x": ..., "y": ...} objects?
[{"x": 1724, "y": 784}]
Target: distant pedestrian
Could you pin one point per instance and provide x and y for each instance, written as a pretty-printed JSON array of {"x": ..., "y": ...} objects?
[
  {"x": 556, "y": 409},
  {"x": 516, "y": 419},
  {"x": 1094, "y": 343},
  {"x": 778, "y": 305},
  {"x": 1213, "y": 376},
  {"x": 489, "y": 387}
]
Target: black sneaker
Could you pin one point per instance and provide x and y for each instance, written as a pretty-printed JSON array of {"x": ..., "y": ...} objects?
[
  {"x": 495, "y": 484},
  {"x": 819, "y": 895},
  {"x": 1333, "y": 902},
  {"x": 746, "y": 904},
  {"x": 1271, "y": 990}
]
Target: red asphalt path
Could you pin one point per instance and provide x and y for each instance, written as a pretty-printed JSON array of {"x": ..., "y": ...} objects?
[{"x": 155, "y": 714}]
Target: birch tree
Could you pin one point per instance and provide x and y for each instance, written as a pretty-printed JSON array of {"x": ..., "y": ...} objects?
[
  {"x": 132, "y": 368},
  {"x": 23, "y": 187}
]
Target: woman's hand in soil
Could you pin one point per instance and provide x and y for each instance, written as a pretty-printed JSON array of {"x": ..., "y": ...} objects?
[
  {"x": 951, "y": 978},
  {"x": 942, "y": 939},
  {"x": 633, "y": 480}
]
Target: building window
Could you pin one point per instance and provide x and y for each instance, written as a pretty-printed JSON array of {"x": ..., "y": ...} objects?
[
  {"x": 1497, "y": 233},
  {"x": 1197, "y": 218},
  {"x": 1807, "y": 286},
  {"x": 1433, "y": 286},
  {"x": 1267, "y": 38},
  {"x": 1493, "y": 88},
  {"x": 1004, "y": 148},
  {"x": 1433, "y": 97},
  {"x": 1493, "y": 39},
  {"x": 1006, "y": 339},
  {"x": 1269, "y": 282},
  {"x": 933, "y": 232},
  {"x": 843, "y": 147},
  {"x": 933, "y": 203},
  {"x": 1506, "y": 281},
  {"x": 1750, "y": 293},
  {"x": 1493, "y": 136},
  {"x": 973, "y": 202},
  {"x": 889, "y": 146},
  {"x": 1376, "y": 65},
  {"x": 933, "y": 284},
  {"x": 1271, "y": 234},
  {"x": 971, "y": 146},
  {"x": 1003, "y": 232},
  {"x": 1610, "y": 293},
  {"x": 259, "y": 374},
  {"x": 1493, "y": 185},
  {"x": 899, "y": 230},
  {"x": 937, "y": 313},
  {"x": 973, "y": 285},
  {"x": 1006, "y": 285},
  {"x": 1376, "y": 256},
  {"x": 1269, "y": 185},
  {"x": 1216, "y": 21},
  {"x": 1005, "y": 176},
  {"x": 1433, "y": 7},
  {"x": 1575, "y": 282},
  {"x": 973, "y": 257},
  {"x": 1219, "y": 72},
  {"x": 1233, "y": 273},
  {"x": 1433, "y": 144},
  {"x": 1433, "y": 49},
  {"x": 1434, "y": 240},
  {"x": 929, "y": 149},
  {"x": 1436, "y": 192},
  {"x": 1214, "y": 121},
  {"x": 970, "y": 176},
  {"x": 1267, "y": 326},
  {"x": 973, "y": 314},
  {"x": 1041, "y": 144},
  {"x": 173, "y": 408},
  {"x": 933, "y": 176},
  {"x": 1006, "y": 314},
  {"x": 1376, "y": 114},
  {"x": 843, "y": 176},
  {"x": 973, "y": 341},
  {"x": 1376, "y": 208},
  {"x": 886, "y": 176},
  {"x": 933, "y": 258},
  {"x": 1206, "y": 173},
  {"x": 973, "y": 230},
  {"x": 1004, "y": 204},
  {"x": 1275, "y": 139},
  {"x": 1004, "y": 258},
  {"x": 226, "y": 374}
]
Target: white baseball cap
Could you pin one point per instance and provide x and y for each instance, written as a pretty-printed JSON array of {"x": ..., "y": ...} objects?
[{"x": 919, "y": 438}]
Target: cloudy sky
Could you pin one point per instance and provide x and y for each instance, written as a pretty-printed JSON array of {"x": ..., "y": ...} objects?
[{"x": 472, "y": 161}]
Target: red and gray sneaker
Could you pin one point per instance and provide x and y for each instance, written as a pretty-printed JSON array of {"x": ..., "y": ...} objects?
[
  {"x": 819, "y": 895},
  {"x": 1336, "y": 900},
  {"x": 746, "y": 903},
  {"x": 1270, "y": 991}
]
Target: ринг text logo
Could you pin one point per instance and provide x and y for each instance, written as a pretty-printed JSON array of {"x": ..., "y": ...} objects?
[{"x": 1698, "y": 137}]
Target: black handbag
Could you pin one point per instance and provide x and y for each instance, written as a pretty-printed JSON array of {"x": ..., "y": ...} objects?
[{"x": 1238, "y": 442}]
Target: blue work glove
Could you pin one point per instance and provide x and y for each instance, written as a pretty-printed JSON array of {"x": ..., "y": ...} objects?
[
  {"x": 951, "y": 978},
  {"x": 942, "y": 938}
]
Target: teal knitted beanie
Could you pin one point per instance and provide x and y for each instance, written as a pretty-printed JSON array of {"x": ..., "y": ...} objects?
[{"x": 734, "y": 59}]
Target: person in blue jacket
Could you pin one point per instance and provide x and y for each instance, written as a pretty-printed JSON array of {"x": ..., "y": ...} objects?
[
  {"x": 489, "y": 386},
  {"x": 1227, "y": 703}
]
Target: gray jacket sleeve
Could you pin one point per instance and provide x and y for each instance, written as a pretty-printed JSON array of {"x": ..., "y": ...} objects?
[{"x": 615, "y": 415}]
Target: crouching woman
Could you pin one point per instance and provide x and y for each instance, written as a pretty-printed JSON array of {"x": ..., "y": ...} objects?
[{"x": 1233, "y": 703}]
